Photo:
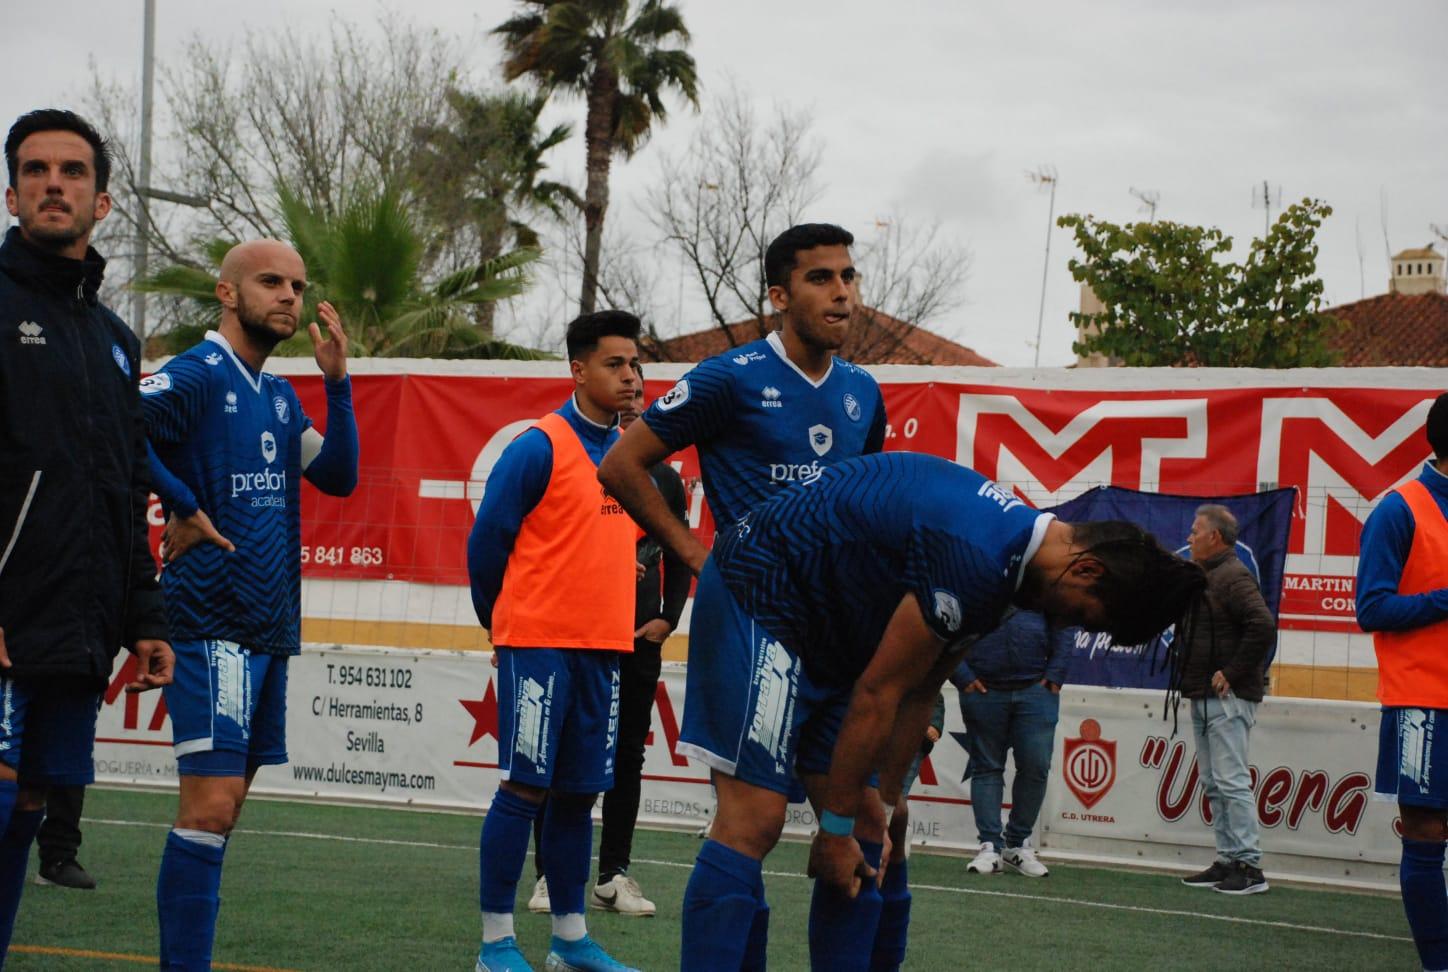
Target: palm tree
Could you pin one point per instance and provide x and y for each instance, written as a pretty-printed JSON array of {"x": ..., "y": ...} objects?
[
  {"x": 620, "y": 66},
  {"x": 481, "y": 172},
  {"x": 367, "y": 260}
]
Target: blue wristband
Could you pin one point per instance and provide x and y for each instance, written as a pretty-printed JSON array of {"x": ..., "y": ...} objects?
[{"x": 836, "y": 825}]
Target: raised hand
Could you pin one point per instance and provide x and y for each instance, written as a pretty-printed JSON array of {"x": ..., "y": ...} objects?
[{"x": 331, "y": 351}]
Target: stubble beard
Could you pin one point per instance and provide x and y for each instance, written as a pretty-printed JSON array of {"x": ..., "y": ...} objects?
[
  {"x": 57, "y": 238},
  {"x": 255, "y": 328}
]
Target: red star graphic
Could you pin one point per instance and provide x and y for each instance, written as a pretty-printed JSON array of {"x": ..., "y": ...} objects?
[{"x": 484, "y": 712}]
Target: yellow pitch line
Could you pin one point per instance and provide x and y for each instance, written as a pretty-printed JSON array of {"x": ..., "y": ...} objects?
[{"x": 127, "y": 957}]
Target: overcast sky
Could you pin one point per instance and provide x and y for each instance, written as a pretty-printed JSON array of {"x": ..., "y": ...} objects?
[{"x": 937, "y": 108}]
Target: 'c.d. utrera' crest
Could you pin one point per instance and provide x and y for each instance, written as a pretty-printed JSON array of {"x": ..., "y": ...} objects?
[{"x": 1089, "y": 764}]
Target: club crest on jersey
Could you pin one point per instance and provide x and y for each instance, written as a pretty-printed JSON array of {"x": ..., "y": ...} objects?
[
  {"x": 284, "y": 413},
  {"x": 770, "y": 398},
  {"x": 122, "y": 362},
  {"x": 852, "y": 407},
  {"x": 947, "y": 609},
  {"x": 674, "y": 397},
  {"x": 268, "y": 447},
  {"x": 155, "y": 384},
  {"x": 821, "y": 438}
]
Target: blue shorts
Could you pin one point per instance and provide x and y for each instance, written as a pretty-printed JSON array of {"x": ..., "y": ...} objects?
[
  {"x": 750, "y": 709},
  {"x": 558, "y": 717},
  {"x": 228, "y": 708},
  {"x": 1412, "y": 760},
  {"x": 48, "y": 730}
]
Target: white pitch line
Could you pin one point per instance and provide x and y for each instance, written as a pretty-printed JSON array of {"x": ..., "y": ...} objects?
[{"x": 943, "y": 889}]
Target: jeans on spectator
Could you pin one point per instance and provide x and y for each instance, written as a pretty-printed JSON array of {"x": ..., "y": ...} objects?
[
  {"x": 1024, "y": 722},
  {"x": 638, "y": 676},
  {"x": 1222, "y": 727}
]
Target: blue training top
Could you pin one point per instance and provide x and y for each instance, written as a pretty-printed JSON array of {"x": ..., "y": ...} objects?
[
  {"x": 823, "y": 566},
  {"x": 517, "y": 482},
  {"x": 760, "y": 423},
  {"x": 1387, "y": 538},
  {"x": 228, "y": 441}
]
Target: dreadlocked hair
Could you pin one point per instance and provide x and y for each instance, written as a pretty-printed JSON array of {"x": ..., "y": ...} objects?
[{"x": 1144, "y": 587}]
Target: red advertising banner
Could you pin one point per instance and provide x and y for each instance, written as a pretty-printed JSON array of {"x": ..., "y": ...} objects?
[{"x": 431, "y": 434}]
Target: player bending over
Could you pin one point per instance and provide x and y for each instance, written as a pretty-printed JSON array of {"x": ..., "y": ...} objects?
[{"x": 864, "y": 586}]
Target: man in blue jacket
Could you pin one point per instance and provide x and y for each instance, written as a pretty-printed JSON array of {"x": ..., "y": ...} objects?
[
  {"x": 1010, "y": 698},
  {"x": 76, "y": 577}
]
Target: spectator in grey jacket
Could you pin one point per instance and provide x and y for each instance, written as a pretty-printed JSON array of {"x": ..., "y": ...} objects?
[
  {"x": 1221, "y": 673},
  {"x": 1010, "y": 684}
]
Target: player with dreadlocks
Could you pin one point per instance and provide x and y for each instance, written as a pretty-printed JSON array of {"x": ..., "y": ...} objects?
[{"x": 867, "y": 585}]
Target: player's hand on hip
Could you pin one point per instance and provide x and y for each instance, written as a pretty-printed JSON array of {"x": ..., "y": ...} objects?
[
  {"x": 183, "y": 533},
  {"x": 839, "y": 862},
  {"x": 155, "y": 664},
  {"x": 975, "y": 686},
  {"x": 331, "y": 351}
]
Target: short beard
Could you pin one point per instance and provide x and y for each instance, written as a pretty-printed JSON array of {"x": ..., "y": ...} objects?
[
  {"x": 254, "y": 327},
  {"x": 56, "y": 239}
]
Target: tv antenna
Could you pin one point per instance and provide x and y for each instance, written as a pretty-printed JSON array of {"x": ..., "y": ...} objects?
[
  {"x": 1149, "y": 198},
  {"x": 1043, "y": 177},
  {"x": 1265, "y": 197}
]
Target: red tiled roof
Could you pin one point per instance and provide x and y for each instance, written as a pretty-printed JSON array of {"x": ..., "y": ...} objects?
[
  {"x": 874, "y": 338},
  {"x": 1393, "y": 329}
]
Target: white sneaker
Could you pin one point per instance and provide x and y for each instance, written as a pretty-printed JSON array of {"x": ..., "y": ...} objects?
[
  {"x": 1023, "y": 860},
  {"x": 623, "y": 895},
  {"x": 539, "y": 903},
  {"x": 987, "y": 861}
]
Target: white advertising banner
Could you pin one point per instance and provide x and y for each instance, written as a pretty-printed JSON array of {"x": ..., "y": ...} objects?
[{"x": 422, "y": 728}]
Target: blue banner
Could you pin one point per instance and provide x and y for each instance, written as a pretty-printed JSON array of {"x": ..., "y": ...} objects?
[{"x": 1264, "y": 520}]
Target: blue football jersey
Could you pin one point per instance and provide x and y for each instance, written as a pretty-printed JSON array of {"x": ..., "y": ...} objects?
[
  {"x": 760, "y": 423},
  {"x": 233, "y": 437},
  {"x": 823, "y": 566}
]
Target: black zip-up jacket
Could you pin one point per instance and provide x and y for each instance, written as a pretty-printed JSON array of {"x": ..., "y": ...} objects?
[{"x": 77, "y": 582}]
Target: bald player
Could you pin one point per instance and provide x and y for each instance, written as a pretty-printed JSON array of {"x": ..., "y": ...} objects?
[{"x": 229, "y": 447}]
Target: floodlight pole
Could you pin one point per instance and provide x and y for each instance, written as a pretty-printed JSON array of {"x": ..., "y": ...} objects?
[
  {"x": 1044, "y": 177},
  {"x": 148, "y": 84}
]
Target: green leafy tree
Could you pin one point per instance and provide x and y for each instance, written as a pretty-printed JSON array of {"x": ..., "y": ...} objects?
[
  {"x": 367, "y": 260},
  {"x": 1173, "y": 297},
  {"x": 621, "y": 60},
  {"x": 479, "y": 176}
]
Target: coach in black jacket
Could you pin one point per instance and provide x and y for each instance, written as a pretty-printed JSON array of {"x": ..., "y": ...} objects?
[{"x": 76, "y": 577}]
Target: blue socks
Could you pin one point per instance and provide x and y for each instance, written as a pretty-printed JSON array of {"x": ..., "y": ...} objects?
[
  {"x": 894, "y": 928},
  {"x": 842, "y": 929},
  {"x": 19, "y": 832},
  {"x": 1425, "y": 900},
  {"x": 503, "y": 847},
  {"x": 188, "y": 896},
  {"x": 568, "y": 851},
  {"x": 726, "y": 922}
]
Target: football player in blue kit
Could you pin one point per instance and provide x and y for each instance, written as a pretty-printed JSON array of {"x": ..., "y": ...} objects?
[
  {"x": 866, "y": 586},
  {"x": 777, "y": 411},
  {"x": 229, "y": 447}
]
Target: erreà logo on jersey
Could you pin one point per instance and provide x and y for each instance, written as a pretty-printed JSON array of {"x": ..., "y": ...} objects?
[
  {"x": 770, "y": 398},
  {"x": 674, "y": 397}
]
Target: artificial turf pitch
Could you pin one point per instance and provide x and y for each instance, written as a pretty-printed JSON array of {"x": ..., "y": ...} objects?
[{"x": 327, "y": 887}]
